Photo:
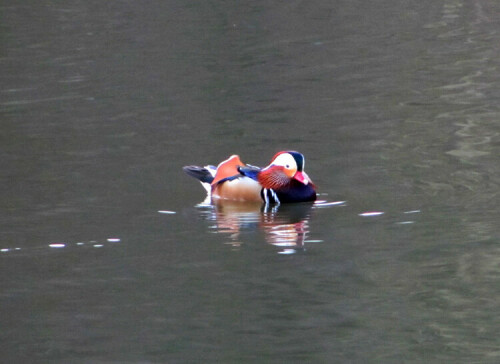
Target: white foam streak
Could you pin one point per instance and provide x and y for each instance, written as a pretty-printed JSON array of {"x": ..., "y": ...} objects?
[
  {"x": 371, "y": 213},
  {"x": 57, "y": 245}
]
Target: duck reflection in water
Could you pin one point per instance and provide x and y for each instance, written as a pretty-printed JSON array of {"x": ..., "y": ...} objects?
[
  {"x": 285, "y": 226},
  {"x": 244, "y": 195}
]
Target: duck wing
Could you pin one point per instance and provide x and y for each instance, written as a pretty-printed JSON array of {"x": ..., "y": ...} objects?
[{"x": 249, "y": 171}]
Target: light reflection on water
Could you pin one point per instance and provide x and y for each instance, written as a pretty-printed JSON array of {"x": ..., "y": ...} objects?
[
  {"x": 62, "y": 245},
  {"x": 285, "y": 226}
]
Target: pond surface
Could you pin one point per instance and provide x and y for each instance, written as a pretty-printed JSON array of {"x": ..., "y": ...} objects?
[{"x": 107, "y": 253}]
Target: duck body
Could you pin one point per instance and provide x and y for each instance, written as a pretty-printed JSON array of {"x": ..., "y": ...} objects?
[{"x": 282, "y": 181}]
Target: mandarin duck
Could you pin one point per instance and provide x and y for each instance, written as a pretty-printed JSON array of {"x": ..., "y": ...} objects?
[{"x": 282, "y": 181}]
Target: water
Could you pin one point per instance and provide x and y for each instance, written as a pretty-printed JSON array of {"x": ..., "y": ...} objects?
[{"x": 107, "y": 255}]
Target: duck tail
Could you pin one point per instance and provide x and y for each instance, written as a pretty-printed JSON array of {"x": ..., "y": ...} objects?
[{"x": 203, "y": 174}]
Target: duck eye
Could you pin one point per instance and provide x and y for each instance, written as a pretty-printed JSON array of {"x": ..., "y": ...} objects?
[{"x": 287, "y": 166}]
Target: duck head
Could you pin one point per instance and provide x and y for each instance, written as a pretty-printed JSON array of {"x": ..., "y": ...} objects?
[{"x": 286, "y": 168}]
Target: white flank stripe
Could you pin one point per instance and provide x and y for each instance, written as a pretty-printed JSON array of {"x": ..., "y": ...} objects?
[
  {"x": 275, "y": 196},
  {"x": 266, "y": 199}
]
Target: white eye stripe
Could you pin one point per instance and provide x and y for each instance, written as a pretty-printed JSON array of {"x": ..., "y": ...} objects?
[{"x": 285, "y": 160}]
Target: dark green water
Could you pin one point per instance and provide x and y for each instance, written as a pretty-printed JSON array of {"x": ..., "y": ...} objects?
[{"x": 393, "y": 103}]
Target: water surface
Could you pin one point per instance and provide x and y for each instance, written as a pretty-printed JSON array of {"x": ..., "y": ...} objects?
[{"x": 106, "y": 254}]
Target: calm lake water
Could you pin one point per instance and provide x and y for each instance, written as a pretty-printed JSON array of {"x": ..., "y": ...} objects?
[{"x": 108, "y": 254}]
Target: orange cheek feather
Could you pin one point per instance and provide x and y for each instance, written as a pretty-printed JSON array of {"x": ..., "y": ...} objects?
[{"x": 274, "y": 178}]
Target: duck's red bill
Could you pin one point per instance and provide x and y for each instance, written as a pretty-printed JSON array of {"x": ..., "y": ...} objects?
[{"x": 301, "y": 177}]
